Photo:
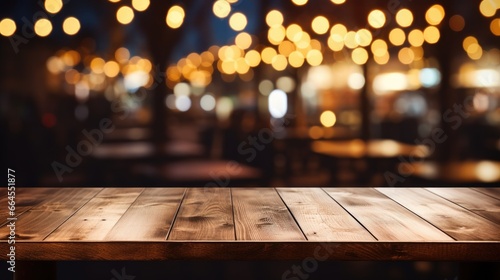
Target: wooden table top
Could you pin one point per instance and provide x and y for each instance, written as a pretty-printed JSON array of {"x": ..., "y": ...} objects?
[
  {"x": 255, "y": 223},
  {"x": 128, "y": 134},
  {"x": 358, "y": 148},
  {"x": 143, "y": 149},
  {"x": 208, "y": 170},
  {"x": 484, "y": 171}
]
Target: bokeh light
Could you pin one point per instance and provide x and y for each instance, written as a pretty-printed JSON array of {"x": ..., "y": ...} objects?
[
  {"x": 488, "y": 8},
  {"x": 278, "y": 103},
  {"x": 274, "y": 18},
  {"x": 140, "y": 5},
  {"x": 111, "y": 69},
  {"x": 431, "y": 34},
  {"x": 285, "y": 83},
  {"x": 53, "y": 6},
  {"x": 238, "y": 21},
  {"x": 125, "y": 15},
  {"x": 359, "y": 56},
  {"x": 207, "y": 102},
  {"x": 328, "y": 119},
  {"x": 296, "y": 59},
  {"x": 43, "y": 27},
  {"x": 406, "y": 55},
  {"x": 397, "y": 36},
  {"x": 7, "y": 27},
  {"x": 279, "y": 62},
  {"x": 376, "y": 19},
  {"x": 175, "y": 17},
  {"x": 314, "y": 57},
  {"x": 182, "y": 103},
  {"x": 435, "y": 14},
  {"x": 356, "y": 81},
  {"x": 243, "y": 40},
  {"x": 457, "y": 23},
  {"x": 404, "y": 17},
  {"x": 495, "y": 27},
  {"x": 416, "y": 38},
  {"x": 276, "y": 34},
  {"x": 320, "y": 25},
  {"x": 253, "y": 58},
  {"x": 221, "y": 8},
  {"x": 299, "y": 2},
  {"x": 71, "y": 25},
  {"x": 363, "y": 37},
  {"x": 122, "y": 55},
  {"x": 379, "y": 47}
]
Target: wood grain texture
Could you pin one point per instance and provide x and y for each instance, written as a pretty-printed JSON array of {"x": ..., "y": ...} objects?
[
  {"x": 384, "y": 218},
  {"x": 25, "y": 199},
  {"x": 260, "y": 214},
  {"x": 269, "y": 224},
  {"x": 98, "y": 216},
  {"x": 42, "y": 219},
  {"x": 479, "y": 203},
  {"x": 150, "y": 217},
  {"x": 205, "y": 214},
  {"x": 456, "y": 221},
  {"x": 249, "y": 250},
  {"x": 493, "y": 192},
  {"x": 320, "y": 217}
]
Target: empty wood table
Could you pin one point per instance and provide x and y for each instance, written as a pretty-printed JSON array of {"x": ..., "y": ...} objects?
[
  {"x": 380, "y": 155},
  {"x": 210, "y": 173},
  {"x": 112, "y": 163},
  {"x": 455, "y": 172},
  {"x": 461, "y": 224},
  {"x": 128, "y": 135},
  {"x": 368, "y": 149},
  {"x": 146, "y": 150}
]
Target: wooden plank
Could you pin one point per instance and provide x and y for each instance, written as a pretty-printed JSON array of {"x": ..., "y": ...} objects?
[
  {"x": 205, "y": 214},
  {"x": 493, "y": 192},
  {"x": 384, "y": 218},
  {"x": 456, "y": 221},
  {"x": 42, "y": 219},
  {"x": 473, "y": 201},
  {"x": 25, "y": 198},
  {"x": 150, "y": 217},
  {"x": 98, "y": 216},
  {"x": 250, "y": 250},
  {"x": 260, "y": 214},
  {"x": 320, "y": 217}
]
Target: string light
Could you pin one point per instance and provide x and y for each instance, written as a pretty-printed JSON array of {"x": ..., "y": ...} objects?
[
  {"x": 53, "y": 6},
  {"x": 7, "y": 27},
  {"x": 404, "y": 17},
  {"x": 221, "y": 8},
  {"x": 320, "y": 25},
  {"x": 71, "y": 25},
  {"x": 125, "y": 15},
  {"x": 43, "y": 27},
  {"x": 175, "y": 17},
  {"x": 238, "y": 21},
  {"x": 140, "y": 5}
]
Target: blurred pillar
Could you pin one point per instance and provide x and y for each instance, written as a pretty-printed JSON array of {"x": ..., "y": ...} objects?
[
  {"x": 161, "y": 40},
  {"x": 364, "y": 107},
  {"x": 447, "y": 96}
]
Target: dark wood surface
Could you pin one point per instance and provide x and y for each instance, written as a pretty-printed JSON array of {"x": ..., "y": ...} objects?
[{"x": 461, "y": 224}]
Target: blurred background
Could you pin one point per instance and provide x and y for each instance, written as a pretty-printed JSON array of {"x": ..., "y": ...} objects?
[{"x": 239, "y": 92}]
